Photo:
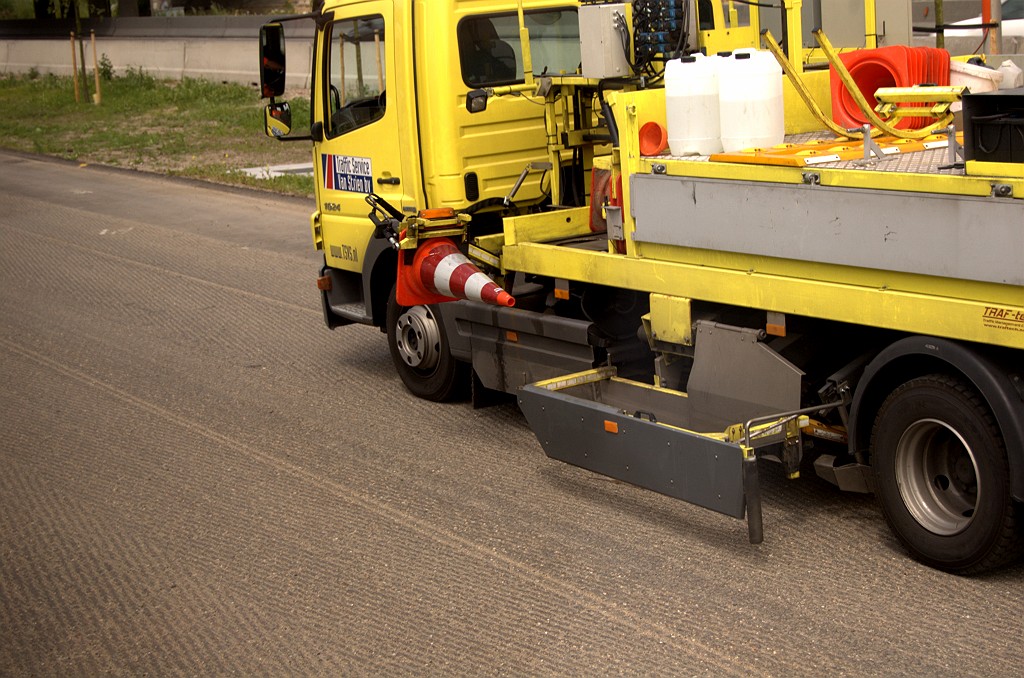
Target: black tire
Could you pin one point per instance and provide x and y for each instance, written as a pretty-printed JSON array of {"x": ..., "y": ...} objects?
[
  {"x": 942, "y": 476},
  {"x": 420, "y": 352}
]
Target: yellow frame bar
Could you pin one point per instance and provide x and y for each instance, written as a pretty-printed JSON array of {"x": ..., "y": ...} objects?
[{"x": 956, "y": 318}]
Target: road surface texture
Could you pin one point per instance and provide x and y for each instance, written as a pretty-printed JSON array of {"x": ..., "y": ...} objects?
[{"x": 196, "y": 477}]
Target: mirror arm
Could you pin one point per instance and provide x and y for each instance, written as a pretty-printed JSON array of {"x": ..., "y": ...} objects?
[{"x": 316, "y": 134}]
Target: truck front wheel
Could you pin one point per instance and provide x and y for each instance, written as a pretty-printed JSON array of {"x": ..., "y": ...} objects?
[
  {"x": 419, "y": 350},
  {"x": 942, "y": 476}
]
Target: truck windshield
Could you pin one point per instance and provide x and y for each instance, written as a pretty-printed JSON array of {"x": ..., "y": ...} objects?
[{"x": 490, "y": 52}]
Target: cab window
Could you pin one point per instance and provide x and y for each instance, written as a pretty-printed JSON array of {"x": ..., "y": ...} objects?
[
  {"x": 355, "y": 75},
  {"x": 490, "y": 53}
]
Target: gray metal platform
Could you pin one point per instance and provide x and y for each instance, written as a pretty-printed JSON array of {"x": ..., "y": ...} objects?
[{"x": 930, "y": 161}]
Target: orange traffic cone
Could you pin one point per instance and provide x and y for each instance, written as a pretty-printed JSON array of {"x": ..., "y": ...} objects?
[{"x": 440, "y": 272}]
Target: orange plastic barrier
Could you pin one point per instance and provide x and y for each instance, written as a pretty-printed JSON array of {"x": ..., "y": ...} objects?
[{"x": 894, "y": 66}]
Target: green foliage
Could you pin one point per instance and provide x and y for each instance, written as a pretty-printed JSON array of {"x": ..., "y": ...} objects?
[
  {"x": 8, "y": 10},
  {"x": 191, "y": 127},
  {"x": 355, "y": 91},
  {"x": 239, "y": 8},
  {"x": 16, "y": 9},
  {"x": 106, "y": 68},
  {"x": 136, "y": 77}
]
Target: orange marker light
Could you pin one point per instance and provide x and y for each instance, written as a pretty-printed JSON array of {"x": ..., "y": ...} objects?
[{"x": 438, "y": 213}]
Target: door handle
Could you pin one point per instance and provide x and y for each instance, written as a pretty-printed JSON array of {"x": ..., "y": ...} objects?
[{"x": 390, "y": 181}]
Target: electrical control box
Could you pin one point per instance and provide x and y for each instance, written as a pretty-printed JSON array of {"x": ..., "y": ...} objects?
[
  {"x": 601, "y": 40},
  {"x": 893, "y": 23}
]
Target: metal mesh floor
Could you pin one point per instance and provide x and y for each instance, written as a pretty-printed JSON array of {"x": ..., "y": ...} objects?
[{"x": 929, "y": 161}]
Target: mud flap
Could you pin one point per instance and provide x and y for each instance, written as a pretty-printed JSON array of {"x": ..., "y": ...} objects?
[{"x": 610, "y": 426}]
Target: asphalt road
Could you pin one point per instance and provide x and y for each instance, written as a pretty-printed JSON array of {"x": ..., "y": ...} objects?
[{"x": 196, "y": 477}]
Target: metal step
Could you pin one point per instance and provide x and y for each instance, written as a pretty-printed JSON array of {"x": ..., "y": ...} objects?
[{"x": 354, "y": 311}]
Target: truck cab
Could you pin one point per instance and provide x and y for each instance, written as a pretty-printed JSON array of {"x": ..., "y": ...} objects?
[{"x": 389, "y": 117}]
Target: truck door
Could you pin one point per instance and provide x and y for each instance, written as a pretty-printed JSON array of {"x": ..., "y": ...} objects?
[{"x": 366, "y": 145}]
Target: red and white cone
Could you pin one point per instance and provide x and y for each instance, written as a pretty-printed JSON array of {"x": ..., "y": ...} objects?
[{"x": 440, "y": 272}]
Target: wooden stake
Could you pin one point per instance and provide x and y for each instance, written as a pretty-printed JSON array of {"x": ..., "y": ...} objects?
[
  {"x": 359, "y": 59},
  {"x": 97, "y": 97},
  {"x": 341, "y": 67},
  {"x": 995, "y": 35},
  {"x": 74, "y": 68},
  {"x": 380, "y": 71},
  {"x": 81, "y": 66}
]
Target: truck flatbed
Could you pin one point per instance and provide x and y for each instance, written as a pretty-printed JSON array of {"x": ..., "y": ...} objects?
[{"x": 898, "y": 242}]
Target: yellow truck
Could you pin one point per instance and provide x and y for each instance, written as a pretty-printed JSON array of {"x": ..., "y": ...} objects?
[{"x": 494, "y": 193}]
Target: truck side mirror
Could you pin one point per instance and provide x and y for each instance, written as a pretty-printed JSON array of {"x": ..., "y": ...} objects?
[
  {"x": 277, "y": 119},
  {"x": 272, "y": 63}
]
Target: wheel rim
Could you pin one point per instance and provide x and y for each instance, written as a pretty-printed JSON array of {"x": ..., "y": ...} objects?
[
  {"x": 937, "y": 476},
  {"x": 418, "y": 338}
]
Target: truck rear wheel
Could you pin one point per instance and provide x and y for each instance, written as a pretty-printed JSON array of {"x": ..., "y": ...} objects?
[
  {"x": 419, "y": 350},
  {"x": 942, "y": 476}
]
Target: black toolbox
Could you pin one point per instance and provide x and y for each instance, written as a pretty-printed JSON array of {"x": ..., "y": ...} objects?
[{"x": 994, "y": 126}]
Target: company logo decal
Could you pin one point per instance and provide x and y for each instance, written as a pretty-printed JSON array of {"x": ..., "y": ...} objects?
[
  {"x": 1004, "y": 318},
  {"x": 347, "y": 173}
]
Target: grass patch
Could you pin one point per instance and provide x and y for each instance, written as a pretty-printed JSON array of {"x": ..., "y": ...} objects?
[{"x": 190, "y": 128}]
